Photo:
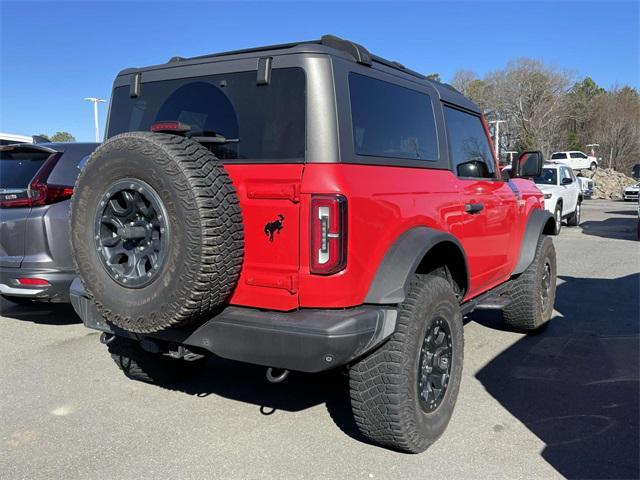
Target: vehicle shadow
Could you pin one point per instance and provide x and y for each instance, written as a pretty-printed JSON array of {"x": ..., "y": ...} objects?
[
  {"x": 576, "y": 384},
  {"x": 632, "y": 213},
  {"x": 40, "y": 313},
  {"x": 612, "y": 227},
  {"x": 247, "y": 383}
]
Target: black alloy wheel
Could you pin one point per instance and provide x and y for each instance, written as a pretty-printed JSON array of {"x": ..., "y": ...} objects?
[
  {"x": 131, "y": 232},
  {"x": 435, "y": 365}
]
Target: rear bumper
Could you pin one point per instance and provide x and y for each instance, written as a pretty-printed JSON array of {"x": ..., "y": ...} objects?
[
  {"x": 56, "y": 291},
  {"x": 306, "y": 340}
]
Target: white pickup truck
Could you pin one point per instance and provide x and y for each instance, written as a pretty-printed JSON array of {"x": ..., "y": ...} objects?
[{"x": 576, "y": 160}]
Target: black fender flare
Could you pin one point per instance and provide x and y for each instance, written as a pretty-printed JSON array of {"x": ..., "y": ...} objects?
[
  {"x": 391, "y": 281},
  {"x": 538, "y": 220}
]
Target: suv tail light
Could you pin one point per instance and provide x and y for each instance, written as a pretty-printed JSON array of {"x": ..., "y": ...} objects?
[
  {"x": 39, "y": 191},
  {"x": 328, "y": 234}
]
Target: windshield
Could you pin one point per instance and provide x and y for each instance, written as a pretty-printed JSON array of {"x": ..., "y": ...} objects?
[
  {"x": 268, "y": 120},
  {"x": 549, "y": 177},
  {"x": 18, "y": 169}
]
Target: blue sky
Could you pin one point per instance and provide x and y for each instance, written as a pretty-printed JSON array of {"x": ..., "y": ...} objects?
[{"x": 53, "y": 54}]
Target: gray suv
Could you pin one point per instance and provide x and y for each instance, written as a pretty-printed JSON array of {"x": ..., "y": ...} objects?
[{"x": 36, "y": 183}]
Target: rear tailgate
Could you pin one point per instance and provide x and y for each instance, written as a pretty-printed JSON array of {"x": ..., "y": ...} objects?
[
  {"x": 18, "y": 165},
  {"x": 270, "y": 203},
  {"x": 13, "y": 223}
]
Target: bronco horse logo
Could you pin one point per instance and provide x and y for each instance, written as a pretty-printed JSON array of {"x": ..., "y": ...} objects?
[{"x": 274, "y": 227}]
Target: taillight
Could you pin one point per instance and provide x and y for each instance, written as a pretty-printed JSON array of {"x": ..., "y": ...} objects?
[
  {"x": 39, "y": 191},
  {"x": 40, "y": 282},
  {"x": 328, "y": 234}
]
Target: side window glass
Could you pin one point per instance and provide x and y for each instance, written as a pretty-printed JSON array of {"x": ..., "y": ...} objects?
[
  {"x": 471, "y": 154},
  {"x": 576, "y": 155},
  {"x": 558, "y": 156},
  {"x": 391, "y": 121}
]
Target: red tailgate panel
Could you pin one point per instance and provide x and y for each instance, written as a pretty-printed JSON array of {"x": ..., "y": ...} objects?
[{"x": 269, "y": 199}]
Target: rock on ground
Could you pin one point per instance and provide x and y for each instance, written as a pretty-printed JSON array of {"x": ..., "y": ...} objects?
[{"x": 607, "y": 183}]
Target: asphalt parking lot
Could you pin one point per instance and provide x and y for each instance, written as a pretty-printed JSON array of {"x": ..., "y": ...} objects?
[{"x": 563, "y": 403}]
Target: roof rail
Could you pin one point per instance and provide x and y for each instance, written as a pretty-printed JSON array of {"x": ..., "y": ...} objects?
[{"x": 359, "y": 53}]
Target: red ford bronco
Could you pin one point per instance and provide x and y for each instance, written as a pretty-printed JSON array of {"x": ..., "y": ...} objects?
[{"x": 305, "y": 207}]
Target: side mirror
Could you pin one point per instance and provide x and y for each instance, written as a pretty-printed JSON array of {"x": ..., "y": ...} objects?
[
  {"x": 527, "y": 165},
  {"x": 567, "y": 181},
  {"x": 473, "y": 169}
]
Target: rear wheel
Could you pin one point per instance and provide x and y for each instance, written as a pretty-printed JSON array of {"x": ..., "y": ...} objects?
[
  {"x": 593, "y": 166},
  {"x": 138, "y": 364},
  {"x": 557, "y": 217},
  {"x": 574, "y": 218},
  {"x": 533, "y": 293},
  {"x": 403, "y": 393}
]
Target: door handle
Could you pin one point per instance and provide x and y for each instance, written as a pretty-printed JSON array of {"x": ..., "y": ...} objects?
[{"x": 473, "y": 207}]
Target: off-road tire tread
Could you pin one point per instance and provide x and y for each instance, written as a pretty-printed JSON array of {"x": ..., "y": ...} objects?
[
  {"x": 524, "y": 313},
  {"x": 213, "y": 221},
  {"x": 154, "y": 368},
  {"x": 381, "y": 410}
]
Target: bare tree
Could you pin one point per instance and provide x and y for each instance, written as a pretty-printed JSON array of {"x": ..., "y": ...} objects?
[
  {"x": 617, "y": 127},
  {"x": 528, "y": 94},
  {"x": 462, "y": 79}
]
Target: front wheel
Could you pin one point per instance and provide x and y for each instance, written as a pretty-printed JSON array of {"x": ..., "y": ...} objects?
[
  {"x": 533, "y": 293},
  {"x": 403, "y": 393}
]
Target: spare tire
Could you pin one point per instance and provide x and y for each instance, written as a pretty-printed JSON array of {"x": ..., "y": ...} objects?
[{"x": 156, "y": 231}]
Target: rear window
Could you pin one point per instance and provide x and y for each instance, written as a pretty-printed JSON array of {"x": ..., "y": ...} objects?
[
  {"x": 18, "y": 169},
  {"x": 268, "y": 120},
  {"x": 391, "y": 121},
  {"x": 558, "y": 156},
  {"x": 549, "y": 177}
]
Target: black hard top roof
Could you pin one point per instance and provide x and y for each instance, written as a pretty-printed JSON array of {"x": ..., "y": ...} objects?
[{"x": 330, "y": 45}]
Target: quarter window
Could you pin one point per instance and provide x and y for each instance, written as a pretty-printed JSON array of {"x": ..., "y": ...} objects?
[
  {"x": 391, "y": 121},
  {"x": 471, "y": 154}
]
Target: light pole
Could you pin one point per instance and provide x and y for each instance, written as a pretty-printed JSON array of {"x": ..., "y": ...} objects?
[
  {"x": 95, "y": 102},
  {"x": 511, "y": 153},
  {"x": 496, "y": 136}
]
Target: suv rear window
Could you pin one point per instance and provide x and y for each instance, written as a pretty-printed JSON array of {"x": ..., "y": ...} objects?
[
  {"x": 18, "y": 169},
  {"x": 268, "y": 120},
  {"x": 391, "y": 121}
]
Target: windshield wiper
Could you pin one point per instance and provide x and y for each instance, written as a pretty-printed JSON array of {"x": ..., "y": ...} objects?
[{"x": 215, "y": 138}]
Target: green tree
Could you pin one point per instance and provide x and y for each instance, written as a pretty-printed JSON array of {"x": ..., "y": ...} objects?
[
  {"x": 434, "y": 76},
  {"x": 577, "y": 128},
  {"x": 62, "y": 137}
]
